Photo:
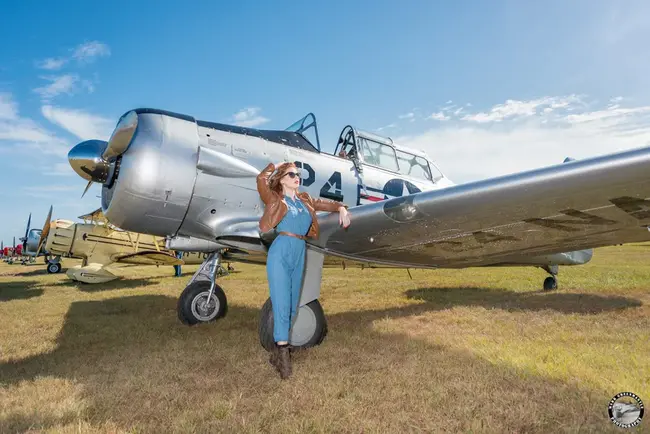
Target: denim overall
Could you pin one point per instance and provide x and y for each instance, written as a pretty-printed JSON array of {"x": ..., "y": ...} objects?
[{"x": 285, "y": 264}]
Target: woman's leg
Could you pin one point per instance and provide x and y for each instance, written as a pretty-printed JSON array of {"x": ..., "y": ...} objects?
[
  {"x": 296, "y": 282},
  {"x": 279, "y": 277}
]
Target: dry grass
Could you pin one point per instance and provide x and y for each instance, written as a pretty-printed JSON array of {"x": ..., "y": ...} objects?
[{"x": 479, "y": 350}]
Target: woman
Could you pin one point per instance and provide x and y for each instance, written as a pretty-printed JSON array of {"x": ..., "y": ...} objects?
[{"x": 293, "y": 215}]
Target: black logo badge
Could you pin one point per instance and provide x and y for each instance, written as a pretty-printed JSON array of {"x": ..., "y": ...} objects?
[{"x": 625, "y": 410}]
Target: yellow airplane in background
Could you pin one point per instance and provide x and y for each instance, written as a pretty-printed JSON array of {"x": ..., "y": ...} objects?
[{"x": 98, "y": 244}]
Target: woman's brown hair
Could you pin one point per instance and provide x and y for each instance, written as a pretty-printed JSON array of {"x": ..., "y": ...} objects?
[{"x": 274, "y": 180}]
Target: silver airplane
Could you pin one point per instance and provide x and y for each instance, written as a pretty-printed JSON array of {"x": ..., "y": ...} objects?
[{"x": 193, "y": 181}]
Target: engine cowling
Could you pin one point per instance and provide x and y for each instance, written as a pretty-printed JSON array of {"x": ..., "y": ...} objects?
[{"x": 147, "y": 169}]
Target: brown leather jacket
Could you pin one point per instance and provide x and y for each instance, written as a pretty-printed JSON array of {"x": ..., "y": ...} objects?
[{"x": 276, "y": 207}]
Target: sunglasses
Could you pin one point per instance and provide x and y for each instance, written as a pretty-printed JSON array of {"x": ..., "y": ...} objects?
[{"x": 292, "y": 174}]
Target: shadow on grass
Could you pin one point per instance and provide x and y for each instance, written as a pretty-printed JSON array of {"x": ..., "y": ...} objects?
[
  {"x": 36, "y": 270},
  {"x": 27, "y": 422},
  {"x": 119, "y": 283},
  {"x": 126, "y": 351},
  {"x": 19, "y": 290},
  {"x": 443, "y": 298}
]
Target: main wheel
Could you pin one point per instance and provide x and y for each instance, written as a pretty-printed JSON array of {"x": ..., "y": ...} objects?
[
  {"x": 550, "y": 283},
  {"x": 53, "y": 268},
  {"x": 309, "y": 328},
  {"x": 194, "y": 307}
]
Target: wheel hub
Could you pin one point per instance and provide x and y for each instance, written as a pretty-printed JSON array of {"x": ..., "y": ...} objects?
[
  {"x": 304, "y": 327},
  {"x": 204, "y": 309}
]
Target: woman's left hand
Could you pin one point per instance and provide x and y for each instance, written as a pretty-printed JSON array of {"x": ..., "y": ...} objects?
[{"x": 344, "y": 217}]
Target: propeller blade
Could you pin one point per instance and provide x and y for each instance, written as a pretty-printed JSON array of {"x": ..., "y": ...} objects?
[
  {"x": 29, "y": 221},
  {"x": 86, "y": 189},
  {"x": 121, "y": 137},
  {"x": 45, "y": 231}
]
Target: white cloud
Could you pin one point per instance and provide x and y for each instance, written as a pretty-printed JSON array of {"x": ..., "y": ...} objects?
[
  {"x": 528, "y": 136},
  {"x": 59, "y": 85},
  {"x": 8, "y": 108},
  {"x": 249, "y": 117},
  {"x": 52, "y": 63},
  {"x": 23, "y": 135},
  {"x": 80, "y": 123},
  {"x": 440, "y": 116},
  {"x": 387, "y": 127},
  {"x": 410, "y": 115},
  {"x": 88, "y": 51},
  {"x": 23, "y": 130},
  {"x": 48, "y": 190},
  {"x": 58, "y": 169},
  {"x": 83, "y": 53},
  {"x": 70, "y": 83},
  {"x": 613, "y": 113},
  {"x": 516, "y": 108}
]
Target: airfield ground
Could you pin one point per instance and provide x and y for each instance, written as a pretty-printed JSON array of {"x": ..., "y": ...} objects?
[{"x": 478, "y": 350}]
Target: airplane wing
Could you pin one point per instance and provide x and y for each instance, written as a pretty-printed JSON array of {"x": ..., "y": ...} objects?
[
  {"x": 571, "y": 206},
  {"x": 148, "y": 257}
]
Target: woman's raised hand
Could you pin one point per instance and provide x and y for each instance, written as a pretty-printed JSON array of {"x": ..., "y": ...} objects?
[{"x": 344, "y": 217}]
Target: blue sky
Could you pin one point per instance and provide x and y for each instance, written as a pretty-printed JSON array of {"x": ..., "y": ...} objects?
[{"x": 485, "y": 88}]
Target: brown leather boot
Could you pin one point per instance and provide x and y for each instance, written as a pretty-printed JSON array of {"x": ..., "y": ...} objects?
[
  {"x": 273, "y": 357},
  {"x": 284, "y": 362}
]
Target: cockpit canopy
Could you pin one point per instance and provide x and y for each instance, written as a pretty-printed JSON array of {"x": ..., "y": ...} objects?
[
  {"x": 382, "y": 152},
  {"x": 372, "y": 149}
]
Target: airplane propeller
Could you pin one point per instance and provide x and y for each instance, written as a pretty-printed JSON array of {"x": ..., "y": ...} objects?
[
  {"x": 24, "y": 240},
  {"x": 90, "y": 183},
  {"x": 93, "y": 159},
  {"x": 85, "y": 159},
  {"x": 44, "y": 232}
]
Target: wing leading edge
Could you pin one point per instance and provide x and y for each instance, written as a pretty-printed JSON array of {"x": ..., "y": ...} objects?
[{"x": 571, "y": 206}]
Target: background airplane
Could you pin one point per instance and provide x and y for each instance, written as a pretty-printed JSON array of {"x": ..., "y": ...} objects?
[
  {"x": 12, "y": 254},
  {"x": 30, "y": 244},
  {"x": 99, "y": 244}
]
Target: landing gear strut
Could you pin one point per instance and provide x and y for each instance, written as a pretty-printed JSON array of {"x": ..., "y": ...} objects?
[
  {"x": 203, "y": 300},
  {"x": 550, "y": 283}
]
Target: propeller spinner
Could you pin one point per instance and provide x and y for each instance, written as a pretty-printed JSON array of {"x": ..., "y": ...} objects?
[
  {"x": 86, "y": 159},
  {"x": 92, "y": 159}
]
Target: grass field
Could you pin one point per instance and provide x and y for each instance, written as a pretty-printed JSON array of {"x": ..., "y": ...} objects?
[{"x": 477, "y": 350}]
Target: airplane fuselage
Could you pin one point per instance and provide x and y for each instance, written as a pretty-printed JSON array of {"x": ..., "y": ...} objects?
[{"x": 169, "y": 175}]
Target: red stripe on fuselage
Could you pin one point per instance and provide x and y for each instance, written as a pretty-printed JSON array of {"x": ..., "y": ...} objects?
[{"x": 373, "y": 198}]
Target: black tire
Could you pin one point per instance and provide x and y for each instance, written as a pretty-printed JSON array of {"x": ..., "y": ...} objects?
[
  {"x": 53, "y": 268},
  {"x": 317, "y": 336},
  {"x": 189, "y": 316},
  {"x": 550, "y": 283}
]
